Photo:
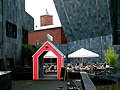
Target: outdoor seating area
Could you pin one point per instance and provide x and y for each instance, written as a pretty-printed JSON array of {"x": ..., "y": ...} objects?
[{"x": 92, "y": 68}]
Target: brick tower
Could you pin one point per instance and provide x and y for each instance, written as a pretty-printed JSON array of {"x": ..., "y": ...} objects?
[{"x": 46, "y": 19}]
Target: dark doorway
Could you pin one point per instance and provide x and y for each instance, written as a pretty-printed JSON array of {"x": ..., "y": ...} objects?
[
  {"x": 1, "y": 65},
  {"x": 10, "y": 63}
]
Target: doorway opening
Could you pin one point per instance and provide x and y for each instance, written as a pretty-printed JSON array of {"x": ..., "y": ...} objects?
[
  {"x": 47, "y": 67},
  {"x": 50, "y": 66}
]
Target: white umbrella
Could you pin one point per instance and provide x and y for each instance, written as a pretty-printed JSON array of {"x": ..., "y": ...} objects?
[{"x": 82, "y": 53}]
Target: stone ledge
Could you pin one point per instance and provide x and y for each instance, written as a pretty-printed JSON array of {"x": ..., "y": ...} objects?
[
  {"x": 86, "y": 82},
  {"x": 4, "y": 72}
]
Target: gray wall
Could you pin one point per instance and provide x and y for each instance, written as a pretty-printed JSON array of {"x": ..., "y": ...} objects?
[
  {"x": 97, "y": 45},
  {"x": 0, "y": 22},
  {"x": 14, "y": 12},
  {"x": 82, "y": 19},
  {"x": 86, "y": 24}
]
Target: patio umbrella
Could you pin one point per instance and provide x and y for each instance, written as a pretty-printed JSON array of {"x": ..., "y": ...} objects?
[{"x": 82, "y": 53}]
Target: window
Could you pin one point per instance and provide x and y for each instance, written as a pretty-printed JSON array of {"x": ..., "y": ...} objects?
[
  {"x": 116, "y": 38},
  {"x": 11, "y": 30}
]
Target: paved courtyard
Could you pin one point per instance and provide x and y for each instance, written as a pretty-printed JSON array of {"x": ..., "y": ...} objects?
[{"x": 40, "y": 85}]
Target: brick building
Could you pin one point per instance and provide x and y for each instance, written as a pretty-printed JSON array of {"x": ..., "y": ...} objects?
[{"x": 47, "y": 27}]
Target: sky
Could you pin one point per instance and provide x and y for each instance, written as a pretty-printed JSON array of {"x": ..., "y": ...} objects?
[{"x": 36, "y": 8}]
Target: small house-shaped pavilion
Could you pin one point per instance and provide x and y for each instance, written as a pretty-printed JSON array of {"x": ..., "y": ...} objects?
[{"x": 38, "y": 57}]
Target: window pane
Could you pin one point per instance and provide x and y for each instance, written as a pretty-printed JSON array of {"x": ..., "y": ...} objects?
[
  {"x": 11, "y": 30},
  {"x": 118, "y": 2},
  {"x": 118, "y": 26},
  {"x": 118, "y": 10},
  {"x": 118, "y": 20},
  {"x": 14, "y": 31},
  {"x": 8, "y": 29},
  {"x": 119, "y": 37}
]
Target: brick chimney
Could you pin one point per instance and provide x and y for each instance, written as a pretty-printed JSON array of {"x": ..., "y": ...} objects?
[{"x": 46, "y": 19}]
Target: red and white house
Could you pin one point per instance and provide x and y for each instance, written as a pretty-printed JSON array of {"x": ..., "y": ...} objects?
[{"x": 47, "y": 46}]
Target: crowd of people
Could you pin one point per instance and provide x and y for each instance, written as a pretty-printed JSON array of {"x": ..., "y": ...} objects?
[
  {"x": 73, "y": 67},
  {"x": 93, "y": 67}
]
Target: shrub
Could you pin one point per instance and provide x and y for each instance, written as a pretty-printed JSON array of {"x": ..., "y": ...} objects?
[
  {"x": 27, "y": 52},
  {"x": 111, "y": 56}
]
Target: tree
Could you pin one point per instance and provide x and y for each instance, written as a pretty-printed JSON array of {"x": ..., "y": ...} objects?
[
  {"x": 27, "y": 52},
  {"x": 111, "y": 56}
]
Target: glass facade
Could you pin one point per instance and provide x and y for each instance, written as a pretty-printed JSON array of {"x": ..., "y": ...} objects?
[
  {"x": 115, "y": 20},
  {"x": 118, "y": 14}
]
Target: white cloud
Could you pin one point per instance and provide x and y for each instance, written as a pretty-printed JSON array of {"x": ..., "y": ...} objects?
[{"x": 36, "y": 8}]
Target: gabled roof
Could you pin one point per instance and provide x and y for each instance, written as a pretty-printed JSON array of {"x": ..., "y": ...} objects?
[{"x": 53, "y": 46}]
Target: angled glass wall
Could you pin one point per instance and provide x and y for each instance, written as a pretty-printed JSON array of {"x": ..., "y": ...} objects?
[{"x": 115, "y": 20}]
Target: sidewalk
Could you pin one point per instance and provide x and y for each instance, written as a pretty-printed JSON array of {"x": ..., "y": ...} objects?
[{"x": 41, "y": 84}]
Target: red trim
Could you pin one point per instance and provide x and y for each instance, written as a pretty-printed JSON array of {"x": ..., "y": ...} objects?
[{"x": 46, "y": 47}]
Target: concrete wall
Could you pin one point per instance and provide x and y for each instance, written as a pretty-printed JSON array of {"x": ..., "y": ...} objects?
[{"x": 14, "y": 12}]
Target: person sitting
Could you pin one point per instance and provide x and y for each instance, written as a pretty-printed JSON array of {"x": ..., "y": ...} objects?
[
  {"x": 87, "y": 68},
  {"x": 77, "y": 67},
  {"x": 104, "y": 64}
]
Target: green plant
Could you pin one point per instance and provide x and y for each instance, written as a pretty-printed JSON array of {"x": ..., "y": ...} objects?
[
  {"x": 111, "y": 56},
  {"x": 27, "y": 52}
]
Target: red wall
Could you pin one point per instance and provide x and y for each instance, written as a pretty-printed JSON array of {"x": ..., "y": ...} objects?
[{"x": 41, "y": 36}]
